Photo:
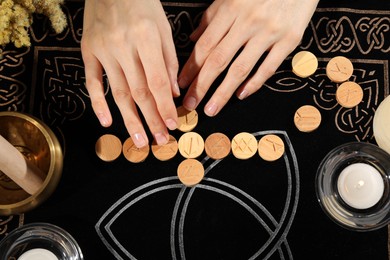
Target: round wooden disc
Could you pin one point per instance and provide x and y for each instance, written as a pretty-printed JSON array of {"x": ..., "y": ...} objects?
[
  {"x": 271, "y": 147},
  {"x": 187, "y": 120},
  {"x": 108, "y": 147},
  {"x": 191, "y": 145},
  {"x": 217, "y": 146},
  {"x": 244, "y": 146},
  {"x": 167, "y": 151},
  {"x": 349, "y": 94},
  {"x": 190, "y": 172},
  {"x": 339, "y": 69},
  {"x": 134, "y": 154},
  {"x": 304, "y": 64},
  {"x": 307, "y": 118}
]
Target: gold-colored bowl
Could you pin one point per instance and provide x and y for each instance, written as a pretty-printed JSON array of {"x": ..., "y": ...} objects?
[{"x": 37, "y": 142}]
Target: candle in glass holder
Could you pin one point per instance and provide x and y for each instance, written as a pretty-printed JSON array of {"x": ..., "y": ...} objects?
[
  {"x": 38, "y": 254},
  {"x": 360, "y": 185}
]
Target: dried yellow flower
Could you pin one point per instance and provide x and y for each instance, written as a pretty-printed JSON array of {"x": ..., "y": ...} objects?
[
  {"x": 16, "y": 16},
  {"x": 52, "y": 9}
]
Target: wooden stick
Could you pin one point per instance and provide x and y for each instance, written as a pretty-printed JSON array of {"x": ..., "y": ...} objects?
[{"x": 17, "y": 168}]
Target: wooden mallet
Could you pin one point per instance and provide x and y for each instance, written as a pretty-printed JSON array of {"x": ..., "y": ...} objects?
[{"x": 13, "y": 164}]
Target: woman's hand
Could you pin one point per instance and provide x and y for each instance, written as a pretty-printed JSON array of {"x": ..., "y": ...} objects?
[
  {"x": 248, "y": 29},
  {"x": 131, "y": 40}
]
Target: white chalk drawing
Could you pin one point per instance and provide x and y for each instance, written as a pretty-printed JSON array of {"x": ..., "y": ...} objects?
[{"x": 277, "y": 229}]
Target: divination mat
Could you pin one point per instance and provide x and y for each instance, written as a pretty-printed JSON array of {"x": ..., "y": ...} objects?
[{"x": 243, "y": 209}]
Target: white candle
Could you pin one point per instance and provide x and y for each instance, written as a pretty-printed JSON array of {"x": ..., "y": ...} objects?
[
  {"x": 38, "y": 254},
  {"x": 360, "y": 185}
]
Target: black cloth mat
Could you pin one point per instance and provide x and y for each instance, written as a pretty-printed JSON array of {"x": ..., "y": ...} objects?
[{"x": 243, "y": 209}]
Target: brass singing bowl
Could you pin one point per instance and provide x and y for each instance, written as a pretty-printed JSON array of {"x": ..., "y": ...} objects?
[{"x": 37, "y": 142}]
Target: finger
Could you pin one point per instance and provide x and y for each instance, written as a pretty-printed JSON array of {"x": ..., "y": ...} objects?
[
  {"x": 137, "y": 90},
  {"x": 267, "y": 69},
  {"x": 214, "y": 65},
  {"x": 215, "y": 31},
  {"x": 145, "y": 101},
  {"x": 94, "y": 86},
  {"x": 170, "y": 57},
  {"x": 123, "y": 99},
  {"x": 205, "y": 20},
  {"x": 143, "y": 97},
  {"x": 157, "y": 81},
  {"x": 237, "y": 74}
]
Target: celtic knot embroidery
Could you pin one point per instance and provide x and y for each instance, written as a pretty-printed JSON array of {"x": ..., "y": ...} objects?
[
  {"x": 4, "y": 224},
  {"x": 184, "y": 22},
  {"x": 340, "y": 33},
  {"x": 376, "y": 30},
  {"x": 356, "y": 121},
  {"x": 181, "y": 23},
  {"x": 336, "y": 38},
  {"x": 12, "y": 91},
  {"x": 64, "y": 92},
  {"x": 10, "y": 223},
  {"x": 41, "y": 31}
]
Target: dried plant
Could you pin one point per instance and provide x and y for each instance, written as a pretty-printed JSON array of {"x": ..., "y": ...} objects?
[{"x": 16, "y": 16}]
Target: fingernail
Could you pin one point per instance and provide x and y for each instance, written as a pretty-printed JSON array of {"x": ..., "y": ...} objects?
[
  {"x": 211, "y": 109},
  {"x": 244, "y": 94},
  {"x": 103, "y": 119},
  {"x": 183, "y": 82},
  {"x": 190, "y": 103},
  {"x": 139, "y": 140},
  {"x": 171, "y": 124},
  {"x": 176, "y": 89},
  {"x": 160, "y": 139}
]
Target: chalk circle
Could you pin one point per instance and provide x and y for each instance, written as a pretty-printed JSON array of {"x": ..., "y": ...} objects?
[{"x": 276, "y": 228}]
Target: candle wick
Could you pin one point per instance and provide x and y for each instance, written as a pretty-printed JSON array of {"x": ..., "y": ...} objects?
[{"x": 359, "y": 185}]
